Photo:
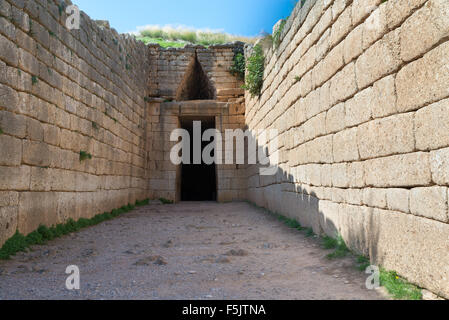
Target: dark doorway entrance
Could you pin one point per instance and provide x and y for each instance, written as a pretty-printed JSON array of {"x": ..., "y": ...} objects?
[{"x": 198, "y": 181}]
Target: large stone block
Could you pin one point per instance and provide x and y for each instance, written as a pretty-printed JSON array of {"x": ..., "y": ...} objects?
[
  {"x": 340, "y": 175},
  {"x": 36, "y": 153},
  {"x": 335, "y": 118},
  {"x": 385, "y": 92},
  {"x": 375, "y": 197},
  {"x": 329, "y": 218},
  {"x": 345, "y": 147},
  {"x": 9, "y": 98},
  {"x": 320, "y": 150},
  {"x": 9, "y": 52},
  {"x": 381, "y": 59},
  {"x": 11, "y": 150},
  {"x": 398, "y": 200},
  {"x": 425, "y": 80},
  {"x": 15, "y": 178},
  {"x": 432, "y": 126},
  {"x": 353, "y": 44},
  {"x": 398, "y": 11},
  {"x": 9, "y": 198},
  {"x": 425, "y": 28},
  {"x": 35, "y": 209},
  {"x": 439, "y": 163},
  {"x": 408, "y": 170},
  {"x": 358, "y": 109},
  {"x": 354, "y": 227},
  {"x": 342, "y": 26},
  {"x": 430, "y": 203},
  {"x": 415, "y": 247},
  {"x": 375, "y": 26},
  {"x": 388, "y": 136},
  {"x": 13, "y": 124},
  {"x": 362, "y": 9},
  {"x": 8, "y": 223},
  {"x": 356, "y": 175},
  {"x": 343, "y": 84}
]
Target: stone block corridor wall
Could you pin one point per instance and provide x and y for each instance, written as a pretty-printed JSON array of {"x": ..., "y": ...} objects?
[
  {"x": 169, "y": 66},
  {"x": 359, "y": 91},
  {"x": 63, "y": 92}
]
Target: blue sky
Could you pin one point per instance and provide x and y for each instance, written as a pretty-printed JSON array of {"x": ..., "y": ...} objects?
[{"x": 239, "y": 17}]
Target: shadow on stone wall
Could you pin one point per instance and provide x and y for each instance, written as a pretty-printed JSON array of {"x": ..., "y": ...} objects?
[{"x": 283, "y": 194}]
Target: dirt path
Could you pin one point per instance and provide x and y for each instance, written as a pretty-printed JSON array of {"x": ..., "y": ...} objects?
[{"x": 185, "y": 251}]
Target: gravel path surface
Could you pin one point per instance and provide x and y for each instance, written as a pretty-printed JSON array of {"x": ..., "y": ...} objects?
[{"x": 185, "y": 251}]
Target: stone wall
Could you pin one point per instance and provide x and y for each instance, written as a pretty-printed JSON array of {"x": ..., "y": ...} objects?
[
  {"x": 169, "y": 66},
  {"x": 63, "y": 92},
  {"x": 359, "y": 93},
  {"x": 164, "y": 118}
]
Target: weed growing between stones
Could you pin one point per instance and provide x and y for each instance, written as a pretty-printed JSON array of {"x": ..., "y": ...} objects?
[
  {"x": 34, "y": 80},
  {"x": 1, "y": 131},
  {"x": 256, "y": 68},
  {"x": 341, "y": 250},
  {"x": 84, "y": 156},
  {"x": 239, "y": 64},
  {"x": 363, "y": 263},
  {"x": 19, "y": 242},
  {"x": 309, "y": 233}
]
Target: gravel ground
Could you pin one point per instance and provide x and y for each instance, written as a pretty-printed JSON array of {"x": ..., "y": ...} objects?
[{"x": 196, "y": 251}]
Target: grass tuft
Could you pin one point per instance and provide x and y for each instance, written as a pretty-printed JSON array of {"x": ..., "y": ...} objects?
[
  {"x": 309, "y": 233},
  {"x": 20, "y": 243},
  {"x": 165, "y": 201},
  {"x": 341, "y": 249},
  {"x": 399, "y": 288},
  {"x": 363, "y": 263},
  {"x": 168, "y": 37},
  {"x": 329, "y": 243},
  {"x": 85, "y": 155}
]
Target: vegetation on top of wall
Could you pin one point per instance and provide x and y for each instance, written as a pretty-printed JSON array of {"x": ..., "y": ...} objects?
[
  {"x": 19, "y": 242},
  {"x": 238, "y": 67},
  {"x": 255, "y": 68},
  {"x": 277, "y": 34},
  {"x": 180, "y": 37}
]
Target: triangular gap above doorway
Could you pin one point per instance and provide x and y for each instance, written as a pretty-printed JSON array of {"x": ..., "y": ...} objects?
[{"x": 196, "y": 85}]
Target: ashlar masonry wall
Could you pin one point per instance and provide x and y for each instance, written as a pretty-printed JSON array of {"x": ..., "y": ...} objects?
[
  {"x": 169, "y": 68},
  {"x": 359, "y": 91},
  {"x": 63, "y": 92}
]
